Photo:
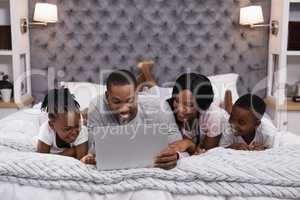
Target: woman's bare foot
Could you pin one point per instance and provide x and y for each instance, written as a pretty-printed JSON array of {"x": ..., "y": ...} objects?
[
  {"x": 145, "y": 66},
  {"x": 146, "y": 79}
]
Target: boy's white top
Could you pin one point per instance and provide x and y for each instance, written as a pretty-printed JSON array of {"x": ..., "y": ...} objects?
[
  {"x": 265, "y": 135},
  {"x": 47, "y": 135}
]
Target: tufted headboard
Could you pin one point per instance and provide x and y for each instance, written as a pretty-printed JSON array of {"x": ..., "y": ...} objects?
[{"x": 179, "y": 35}]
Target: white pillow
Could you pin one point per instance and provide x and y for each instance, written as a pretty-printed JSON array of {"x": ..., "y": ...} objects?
[
  {"x": 224, "y": 82},
  {"x": 85, "y": 92}
]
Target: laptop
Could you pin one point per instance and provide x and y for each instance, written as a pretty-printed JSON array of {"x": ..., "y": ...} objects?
[{"x": 128, "y": 146}]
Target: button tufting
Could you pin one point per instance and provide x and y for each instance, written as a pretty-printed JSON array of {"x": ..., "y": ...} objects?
[{"x": 195, "y": 35}]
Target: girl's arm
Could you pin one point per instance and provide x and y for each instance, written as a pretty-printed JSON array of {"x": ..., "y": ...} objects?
[
  {"x": 43, "y": 147},
  {"x": 81, "y": 150},
  {"x": 211, "y": 142}
]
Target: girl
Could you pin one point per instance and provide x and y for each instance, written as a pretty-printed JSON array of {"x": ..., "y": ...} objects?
[{"x": 63, "y": 133}]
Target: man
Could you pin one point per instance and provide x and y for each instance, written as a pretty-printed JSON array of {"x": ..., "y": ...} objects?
[{"x": 121, "y": 105}]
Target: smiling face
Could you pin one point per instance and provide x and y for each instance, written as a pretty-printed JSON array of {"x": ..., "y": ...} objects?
[
  {"x": 66, "y": 126},
  {"x": 122, "y": 99},
  {"x": 185, "y": 106},
  {"x": 242, "y": 121}
]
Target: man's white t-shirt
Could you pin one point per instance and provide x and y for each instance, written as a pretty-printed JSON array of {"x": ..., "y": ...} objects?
[
  {"x": 48, "y": 136},
  {"x": 265, "y": 135}
]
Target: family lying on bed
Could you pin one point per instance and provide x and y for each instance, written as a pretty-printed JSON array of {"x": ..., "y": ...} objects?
[{"x": 195, "y": 123}]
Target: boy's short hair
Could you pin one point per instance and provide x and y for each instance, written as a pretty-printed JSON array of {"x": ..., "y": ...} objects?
[
  {"x": 253, "y": 103},
  {"x": 59, "y": 101},
  {"x": 199, "y": 85},
  {"x": 121, "y": 77}
]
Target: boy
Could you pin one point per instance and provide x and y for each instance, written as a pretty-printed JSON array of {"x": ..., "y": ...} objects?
[
  {"x": 121, "y": 105},
  {"x": 248, "y": 130},
  {"x": 62, "y": 134}
]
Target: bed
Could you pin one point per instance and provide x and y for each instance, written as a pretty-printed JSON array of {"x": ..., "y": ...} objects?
[{"x": 219, "y": 174}]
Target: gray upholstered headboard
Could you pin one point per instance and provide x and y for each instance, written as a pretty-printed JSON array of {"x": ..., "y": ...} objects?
[{"x": 179, "y": 35}]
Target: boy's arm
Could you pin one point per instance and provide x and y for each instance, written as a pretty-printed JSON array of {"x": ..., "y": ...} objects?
[
  {"x": 43, "y": 147},
  {"x": 81, "y": 150}
]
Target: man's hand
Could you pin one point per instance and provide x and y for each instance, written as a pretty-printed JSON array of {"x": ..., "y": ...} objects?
[
  {"x": 89, "y": 159},
  {"x": 167, "y": 159}
]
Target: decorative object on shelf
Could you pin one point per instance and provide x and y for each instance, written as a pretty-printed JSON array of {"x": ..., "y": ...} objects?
[
  {"x": 44, "y": 13},
  {"x": 6, "y": 88},
  {"x": 253, "y": 16},
  {"x": 6, "y": 95},
  {"x": 296, "y": 99},
  {"x": 4, "y": 83},
  {"x": 290, "y": 90},
  {"x": 294, "y": 35},
  {"x": 298, "y": 89}
]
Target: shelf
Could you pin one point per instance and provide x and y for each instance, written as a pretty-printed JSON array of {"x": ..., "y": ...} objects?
[
  {"x": 294, "y": 1},
  {"x": 5, "y": 52},
  {"x": 287, "y": 106},
  {"x": 293, "y": 53},
  {"x": 26, "y": 101}
]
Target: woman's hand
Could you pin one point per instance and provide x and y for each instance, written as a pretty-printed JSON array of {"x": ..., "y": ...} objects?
[
  {"x": 182, "y": 145},
  {"x": 199, "y": 151}
]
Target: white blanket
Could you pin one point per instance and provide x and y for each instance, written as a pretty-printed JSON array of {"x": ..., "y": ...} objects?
[{"x": 223, "y": 172}]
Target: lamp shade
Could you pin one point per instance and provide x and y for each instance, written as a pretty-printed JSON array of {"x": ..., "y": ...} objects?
[
  {"x": 45, "y": 12},
  {"x": 251, "y": 15}
]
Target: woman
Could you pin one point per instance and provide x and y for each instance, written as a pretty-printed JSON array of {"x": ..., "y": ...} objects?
[{"x": 200, "y": 121}]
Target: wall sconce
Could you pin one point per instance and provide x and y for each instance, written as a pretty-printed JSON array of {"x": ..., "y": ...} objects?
[
  {"x": 253, "y": 16},
  {"x": 44, "y": 13}
]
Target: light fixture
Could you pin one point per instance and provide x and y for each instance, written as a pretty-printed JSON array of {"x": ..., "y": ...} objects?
[
  {"x": 253, "y": 16},
  {"x": 44, "y": 13}
]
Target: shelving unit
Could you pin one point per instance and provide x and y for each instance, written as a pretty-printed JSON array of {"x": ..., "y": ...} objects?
[
  {"x": 16, "y": 61},
  {"x": 283, "y": 68}
]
